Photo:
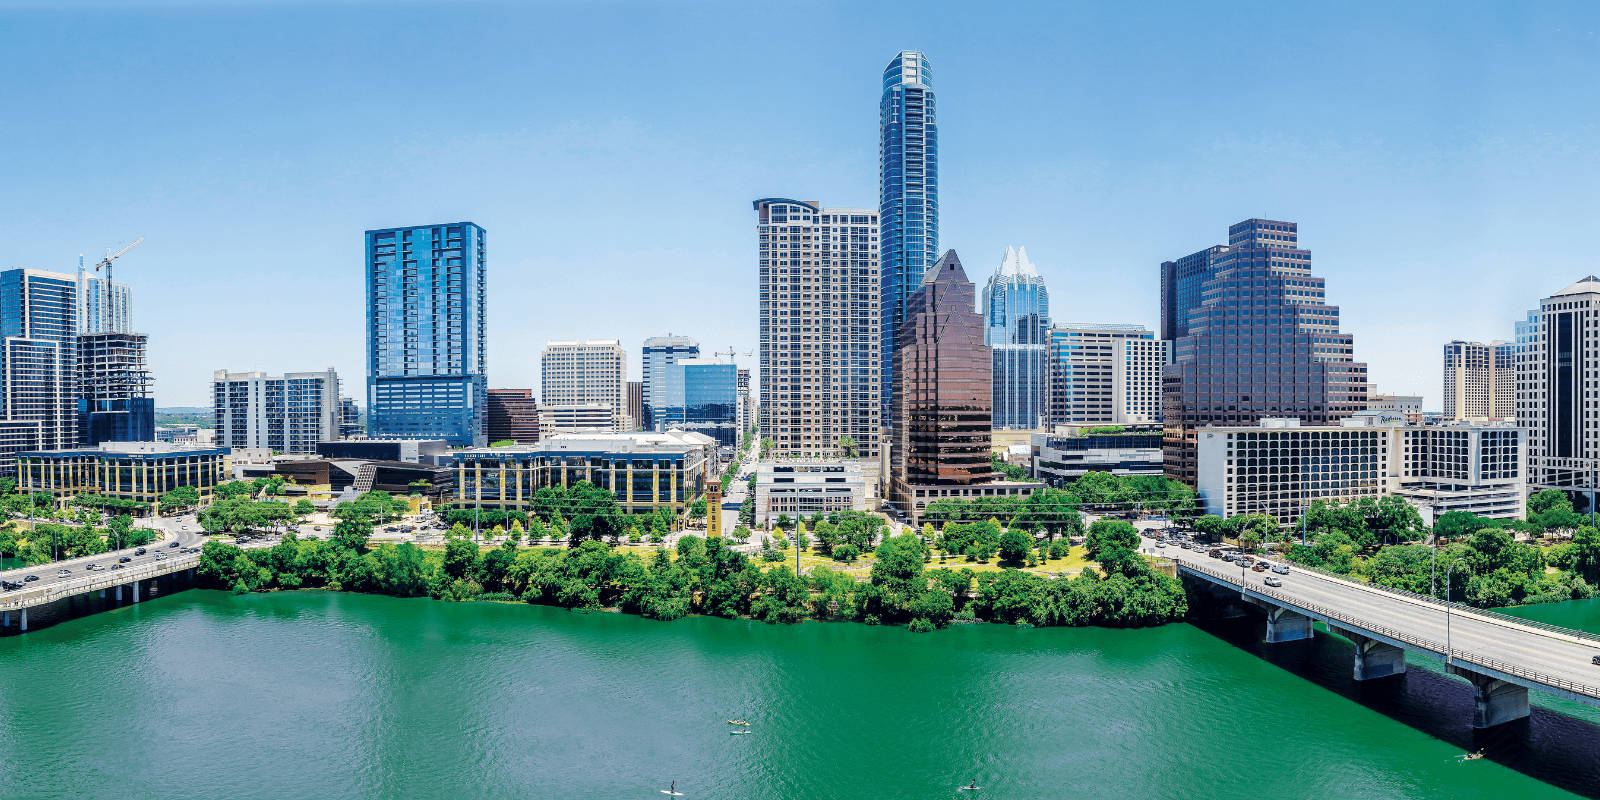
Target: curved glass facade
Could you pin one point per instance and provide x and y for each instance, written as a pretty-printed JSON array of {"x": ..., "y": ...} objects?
[{"x": 908, "y": 194}]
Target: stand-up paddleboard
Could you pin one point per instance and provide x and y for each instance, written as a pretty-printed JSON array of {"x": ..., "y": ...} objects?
[
  {"x": 738, "y": 733},
  {"x": 672, "y": 790},
  {"x": 971, "y": 787}
]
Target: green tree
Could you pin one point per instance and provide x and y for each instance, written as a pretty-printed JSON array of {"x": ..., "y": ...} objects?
[
  {"x": 847, "y": 446},
  {"x": 180, "y": 498},
  {"x": 1014, "y": 547}
]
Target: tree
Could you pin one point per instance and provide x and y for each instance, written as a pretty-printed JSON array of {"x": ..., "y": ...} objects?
[
  {"x": 1455, "y": 524},
  {"x": 847, "y": 446},
  {"x": 1584, "y": 553},
  {"x": 697, "y": 509},
  {"x": 1210, "y": 526},
  {"x": 1014, "y": 547},
  {"x": 304, "y": 508},
  {"x": 180, "y": 498},
  {"x": 1548, "y": 500},
  {"x": 460, "y": 557},
  {"x": 352, "y": 534},
  {"x": 766, "y": 448}
]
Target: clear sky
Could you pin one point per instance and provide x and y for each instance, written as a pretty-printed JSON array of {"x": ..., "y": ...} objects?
[{"x": 1442, "y": 159}]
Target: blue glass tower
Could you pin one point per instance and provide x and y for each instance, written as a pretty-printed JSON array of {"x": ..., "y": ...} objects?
[
  {"x": 908, "y": 195},
  {"x": 711, "y": 399},
  {"x": 425, "y": 333},
  {"x": 1016, "y": 310}
]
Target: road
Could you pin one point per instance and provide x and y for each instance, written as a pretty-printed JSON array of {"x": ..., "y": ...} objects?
[
  {"x": 1560, "y": 655},
  {"x": 168, "y": 530}
]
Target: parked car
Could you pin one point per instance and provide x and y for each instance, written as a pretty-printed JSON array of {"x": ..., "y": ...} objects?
[{"x": 1273, "y": 580}]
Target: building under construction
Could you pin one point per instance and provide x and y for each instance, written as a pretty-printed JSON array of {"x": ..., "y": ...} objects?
[{"x": 114, "y": 402}]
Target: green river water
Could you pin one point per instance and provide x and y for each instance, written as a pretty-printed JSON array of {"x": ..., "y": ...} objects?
[{"x": 323, "y": 695}]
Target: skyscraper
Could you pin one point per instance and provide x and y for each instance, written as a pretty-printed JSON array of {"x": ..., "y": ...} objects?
[
  {"x": 710, "y": 399},
  {"x": 288, "y": 414},
  {"x": 102, "y": 306},
  {"x": 1261, "y": 342},
  {"x": 1557, "y": 353},
  {"x": 1105, "y": 374},
  {"x": 426, "y": 333},
  {"x": 1181, "y": 281},
  {"x": 513, "y": 416},
  {"x": 1479, "y": 380},
  {"x": 114, "y": 402},
  {"x": 941, "y": 414},
  {"x": 583, "y": 385},
  {"x": 1016, "y": 308},
  {"x": 908, "y": 195},
  {"x": 819, "y": 352},
  {"x": 659, "y": 353},
  {"x": 39, "y": 354}
]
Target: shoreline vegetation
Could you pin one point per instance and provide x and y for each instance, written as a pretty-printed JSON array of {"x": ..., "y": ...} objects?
[{"x": 704, "y": 576}]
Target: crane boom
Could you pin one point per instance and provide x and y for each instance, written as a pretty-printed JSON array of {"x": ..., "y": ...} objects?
[{"x": 110, "y": 257}]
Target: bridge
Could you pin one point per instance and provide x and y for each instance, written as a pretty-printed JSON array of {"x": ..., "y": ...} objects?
[
  {"x": 1501, "y": 656},
  {"x": 160, "y": 559}
]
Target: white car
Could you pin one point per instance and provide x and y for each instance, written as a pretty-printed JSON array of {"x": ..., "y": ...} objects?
[{"x": 1273, "y": 580}]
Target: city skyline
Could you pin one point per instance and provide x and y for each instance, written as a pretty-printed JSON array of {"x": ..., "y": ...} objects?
[{"x": 1461, "y": 142}]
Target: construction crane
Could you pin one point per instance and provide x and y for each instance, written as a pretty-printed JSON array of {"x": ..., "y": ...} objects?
[
  {"x": 110, "y": 257},
  {"x": 731, "y": 353},
  {"x": 106, "y": 291}
]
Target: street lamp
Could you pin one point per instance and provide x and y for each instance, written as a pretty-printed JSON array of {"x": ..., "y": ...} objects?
[{"x": 1447, "y": 572}]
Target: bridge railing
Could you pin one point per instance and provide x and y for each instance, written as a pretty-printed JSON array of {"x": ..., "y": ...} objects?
[
  {"x": 27, "y": 598},
  {"x": 1459, "y": 608},
  {"x": 1465, "y": 657}
]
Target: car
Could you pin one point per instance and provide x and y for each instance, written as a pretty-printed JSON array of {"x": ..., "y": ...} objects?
[
  {"x": 1248, "y": 560},
  {"x": 174, "y": 544},
  {"x": 1229, "y": 557},
  {"x": 117, "y": 565},
  {"x": 1595, "y": 661},
  {"x": 1214, "y": 553},
  {"x": 139, "y": 552},
  {"x": 1273, "y": 580},
  {"x": 161, "y": 556},
  {"x": 1259, "y": 567},
  {"x": 30, "y": 579},
  {"x": 1281, "y": 569},
  {"x": 124, "y": 560},
  {"x": 1161, "y": 544},
  {"x": 62, "y": 573}
]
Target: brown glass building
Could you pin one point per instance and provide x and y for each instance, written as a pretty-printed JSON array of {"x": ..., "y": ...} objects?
[
  {"x": 1259, "y": 341},
  {"x": 940, "y": 443},
  {"x": 513, "y": 415}
]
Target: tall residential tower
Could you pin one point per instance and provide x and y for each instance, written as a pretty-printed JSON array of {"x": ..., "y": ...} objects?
[
  {"x": 1016, "y": 311},
  {"x": 425, "y": 333},
  {"x": 908, "y": 195},
  {"x": 819, "y": 353},
  {"x": 1480, "y": 381}
]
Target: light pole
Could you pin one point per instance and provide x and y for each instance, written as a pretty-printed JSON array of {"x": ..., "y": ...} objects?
[{"x": 1447, "y": 572}]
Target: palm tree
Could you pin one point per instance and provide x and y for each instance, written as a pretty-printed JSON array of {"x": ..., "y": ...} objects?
[{"x": 847, "y": 446}]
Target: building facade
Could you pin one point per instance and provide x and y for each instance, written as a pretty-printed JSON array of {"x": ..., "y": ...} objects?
[
  {"x": 1262, "y": 342},
  {"x": 1279, "y": 468},
  {"x": 658, "y": 381},
  {"x": 1089, "y": 362},
  {"x": 1136, "y": 380},
  {"x": 1016, "y": 310},
  {"x": 286, "y": 414},
  {"x": 586, "y": 374},
  {"x": 350, "y": 425},
  {"x": 512, "y": 416},
  {"x": 636, "y": 404},
  {"x": 39, "y": 357},
  {"x": 1480, "y": 381},
  {"x": 1407, "y": 405},
  {"x": 1557, "y": 361},
  {"x": 1060, "y": 459},
  {"x": 646, "y": 471},
  {"x": 710, "y": 400},
  {"x": 426, "y": 334},
  {"x": 803, "y": 487},
  {"x": 136, "y": 471},
  {"x": 114, "y": 402},
  {"x": 908, "y": 197},
  {"x": 103, "y": 307},
  {"x": 819, "y": 347}
]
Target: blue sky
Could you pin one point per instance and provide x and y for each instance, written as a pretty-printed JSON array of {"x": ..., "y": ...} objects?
[{"x": 1440, "y": 158}]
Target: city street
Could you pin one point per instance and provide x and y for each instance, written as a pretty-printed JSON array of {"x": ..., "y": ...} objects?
[{"x": 184, "y": 530}]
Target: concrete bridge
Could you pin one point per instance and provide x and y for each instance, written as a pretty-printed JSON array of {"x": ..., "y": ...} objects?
[
  {"x": 160, "y": 559},
  {"x": 1502, "y": 657}
]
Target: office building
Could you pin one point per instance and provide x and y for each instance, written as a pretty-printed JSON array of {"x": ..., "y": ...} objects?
[
  {"x": 941, "y": 421},
  {"x": 1279, "y": 467},
  {"x": 1480, "y": 381},
  {"x": 285, "y": 414},
  {"x": 658, "y": 354},
  {"x": 803, "y": 487},
  {"x": 1557, "y": 361},
  {"x": 1263, "y": 342},
  {"x": 512, "y": 416},
  {"x": 585, "y": 375},
  {"x": 410, "y": 451},
  {"x": 646, "y": 471},
  {"x": 1016, "y": 310},
  {"x": 426, "y": 332},
  {"x": 1058, "y": 459},
  {"x": 38, "y": 359},
  {"x": 1181, "y": 283},
  {"x": 136, "y": 471},
  {"x": 577, "y": 418},
  {"x": 1090, "y": 362},
  {"x": 745, "y": 415},
  {"x": 908, "y": 197},
  {"x": 114, "y": 402},
  {"x": 820, "y": 349},
  {"x": 636, "y": 404},
  {"x": 710, "y": 399},
  {"x": 350, "y": 425}
]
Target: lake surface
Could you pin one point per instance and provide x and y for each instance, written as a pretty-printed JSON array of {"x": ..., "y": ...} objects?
[{"x": 323, "y": 695}]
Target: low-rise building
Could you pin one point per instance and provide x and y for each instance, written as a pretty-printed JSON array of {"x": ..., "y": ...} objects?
[
  {"x": 1061, "y": 458},
  {"x": 1280, "y": 467},
  {"x": 420, "y": 451},
  {"x": 646, "y": 471},
  {"x": 136, "y": 471},
  {"x": 802, "y": 487}
]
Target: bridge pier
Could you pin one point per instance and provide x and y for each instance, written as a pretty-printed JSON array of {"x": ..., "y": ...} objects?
[
  {"x": 1283, "y": 624},
  {"x": 119, "y": 593},
  {"x": 1494, "y": 702},
  {"x": 102, "y": 594},
  {"x": 1375, "y": 658},
  {"x": 5, "y": 619},
  {"x": 24, "y": 620},
  {"x": 135, "y": 591}
]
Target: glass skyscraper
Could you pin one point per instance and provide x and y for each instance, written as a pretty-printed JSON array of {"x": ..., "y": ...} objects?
[
  {"x": 39, "y": 358},
  {"x": 711, "y": 399},
  {"x": 425, "y": 333},
  {"x": 1261, "y": 342},
  {"x": 660, "y": 382},
  {"x": 1016, "y": 311},
  {"x": 908, "y": 196}
]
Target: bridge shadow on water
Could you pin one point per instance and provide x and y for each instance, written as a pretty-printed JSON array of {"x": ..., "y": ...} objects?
[
  {"x": 90, "y": 603},
  {"x": 1549, "y": 746}
]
